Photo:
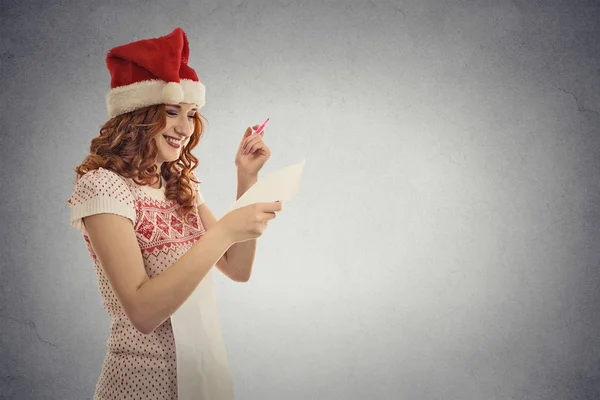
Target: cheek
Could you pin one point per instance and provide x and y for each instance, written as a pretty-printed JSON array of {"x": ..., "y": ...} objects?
[
  {"x": 170, "y": 121},
  {"x": 169, "y": 124}
]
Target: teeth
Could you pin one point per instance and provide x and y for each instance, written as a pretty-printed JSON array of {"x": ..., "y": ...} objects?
[{"x": 173, "y": 140}]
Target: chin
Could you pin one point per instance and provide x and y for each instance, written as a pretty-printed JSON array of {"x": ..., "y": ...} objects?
[{"x": 170, "y": 154}]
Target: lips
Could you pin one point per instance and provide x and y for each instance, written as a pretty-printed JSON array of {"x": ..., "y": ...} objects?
[{"x": 175, "y": 143}]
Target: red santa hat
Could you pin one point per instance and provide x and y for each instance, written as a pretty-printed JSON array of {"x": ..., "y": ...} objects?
[{"x": 152, "y": 71}]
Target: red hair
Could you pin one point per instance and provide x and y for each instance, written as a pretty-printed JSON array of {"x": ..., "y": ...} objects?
[{"x": 126, "y": 146}]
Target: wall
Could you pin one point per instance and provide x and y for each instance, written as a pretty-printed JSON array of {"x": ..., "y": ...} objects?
[{"x": 444, "y": 244}]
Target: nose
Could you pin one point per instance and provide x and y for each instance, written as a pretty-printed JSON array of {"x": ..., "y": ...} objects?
[{"x": 184, "y": 126}]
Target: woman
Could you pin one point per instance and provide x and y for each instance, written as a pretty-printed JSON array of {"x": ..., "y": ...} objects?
[{"x": 150, "y": 234}]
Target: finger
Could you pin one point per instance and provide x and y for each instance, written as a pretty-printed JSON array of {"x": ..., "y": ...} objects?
[
  {"x": 252, "y": 147},
  {"x": 245, "y": 144},
  {"x": 257, "y": 146},
  {"x": 247, "y": 137},
  {"x": 271, "y": 206},
  {"x": 248, "y": 132},
  {"x": 251, "y": 138},
  {"x": 251, "y": 141},
  {"x": 267, "y": 216}
]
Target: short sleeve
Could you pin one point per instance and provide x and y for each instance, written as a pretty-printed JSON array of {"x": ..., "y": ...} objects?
[
  {"x": 199, "y": 197},
  {"x": 100, "y": 191}
]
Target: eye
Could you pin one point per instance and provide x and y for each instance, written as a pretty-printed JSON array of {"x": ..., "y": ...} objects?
[
  {"x": 171, "y": 112},
  {"x": 191, "y": 116}
]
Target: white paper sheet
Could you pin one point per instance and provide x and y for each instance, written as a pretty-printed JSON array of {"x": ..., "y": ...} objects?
[
  {"x": 202, "y": 365},
  {"x": 280, "y": 185}
]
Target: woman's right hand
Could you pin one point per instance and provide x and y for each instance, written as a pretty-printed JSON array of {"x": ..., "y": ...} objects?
[{"x": 249, "y": 222}]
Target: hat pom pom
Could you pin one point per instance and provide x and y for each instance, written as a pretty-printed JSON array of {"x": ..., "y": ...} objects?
[{"x": 172, "y": 93}]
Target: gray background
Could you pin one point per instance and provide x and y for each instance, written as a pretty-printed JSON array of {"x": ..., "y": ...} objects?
[{"x": 445, "y": 242}]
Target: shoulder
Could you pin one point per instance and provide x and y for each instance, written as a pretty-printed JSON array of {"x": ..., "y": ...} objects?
[
  {"x": 101, "y": 191},
  {"x": 101, "y": 183},
  {"x": 103, "y": 175}
]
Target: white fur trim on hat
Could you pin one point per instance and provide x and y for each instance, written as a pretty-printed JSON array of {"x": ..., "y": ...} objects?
[
  {"x": 127, "y": 98},
  {"x": 172, "y": 93}
]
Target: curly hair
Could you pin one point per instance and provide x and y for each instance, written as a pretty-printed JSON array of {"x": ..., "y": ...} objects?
[{"x": 126, "y": 146}]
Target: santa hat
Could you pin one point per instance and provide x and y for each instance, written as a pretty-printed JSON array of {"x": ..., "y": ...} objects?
[{"x": 152, "y": 71}]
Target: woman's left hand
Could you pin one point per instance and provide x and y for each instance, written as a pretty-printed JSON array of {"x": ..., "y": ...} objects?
[{"x": 252, "y": 153}]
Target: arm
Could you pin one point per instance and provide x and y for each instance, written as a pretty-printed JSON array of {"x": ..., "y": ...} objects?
[
  {"x": 149, "y": 302},
  {"x": 237, "y": 262},
  {"x": 240, "y": 256}
]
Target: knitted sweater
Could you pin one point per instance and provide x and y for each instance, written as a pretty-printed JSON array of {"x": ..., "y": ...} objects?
[{"x": 139, "y": 366}]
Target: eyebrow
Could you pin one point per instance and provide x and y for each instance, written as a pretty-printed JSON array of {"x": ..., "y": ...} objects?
[{"x": 178, "y": 106}]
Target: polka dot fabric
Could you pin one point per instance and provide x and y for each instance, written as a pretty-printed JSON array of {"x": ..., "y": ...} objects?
[
  {"x": 136, "y": 366},
  {"x": 100, "y": 191}
]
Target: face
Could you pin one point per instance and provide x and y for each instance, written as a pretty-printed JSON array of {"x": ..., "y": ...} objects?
[{"x": 180, "y": 126}]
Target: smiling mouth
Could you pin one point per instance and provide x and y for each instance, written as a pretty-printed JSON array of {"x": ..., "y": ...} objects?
[
  {"x": 172, "y": 141},
  {"x": 171, "y": 137}
]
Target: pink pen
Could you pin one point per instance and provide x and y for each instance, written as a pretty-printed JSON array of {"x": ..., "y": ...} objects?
[{"x": 259, "y": 130}]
